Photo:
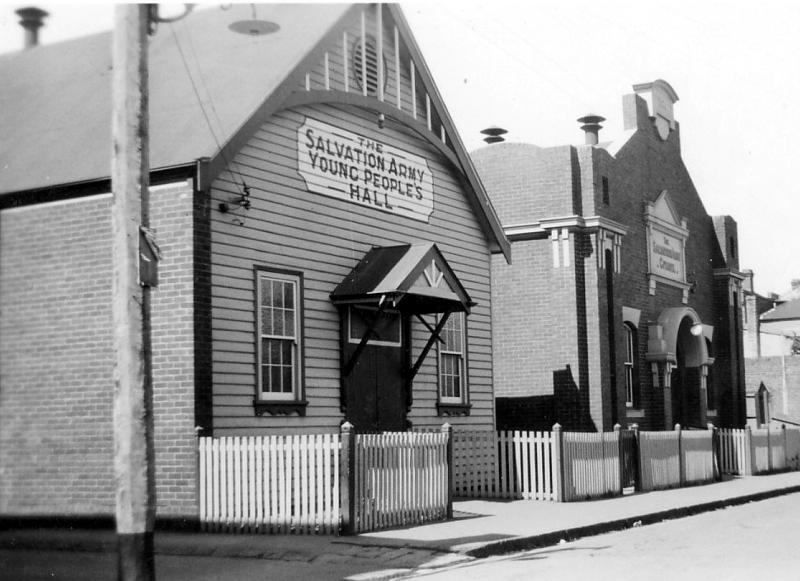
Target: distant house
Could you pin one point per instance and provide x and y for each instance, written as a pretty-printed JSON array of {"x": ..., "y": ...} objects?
[
  {"x": 326, "y": 248},
  {"x": 772, "y": 347},
  {"x": 623, "y": 303}
]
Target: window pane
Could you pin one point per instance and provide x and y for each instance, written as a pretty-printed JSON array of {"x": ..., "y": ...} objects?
[
  {"x": 287, "y": 379},
  {"x": 266, "y": 293},
  {"x": 288, "y": 295},
  {"x": 288, "y": 323},
  {"x": 275, "y": 378},
  {"x": 277, "y": 322},
  {"x": 266, "y": 321},
  {"x": 277, "y": 293}
]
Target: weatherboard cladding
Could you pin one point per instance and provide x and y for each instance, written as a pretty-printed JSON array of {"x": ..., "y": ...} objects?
[{"x": 289, "y": 228}]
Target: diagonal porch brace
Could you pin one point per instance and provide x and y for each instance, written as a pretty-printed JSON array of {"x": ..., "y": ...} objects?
[
  {"x": 434, "y": 336},
  {"x": 348, "y": 367}
]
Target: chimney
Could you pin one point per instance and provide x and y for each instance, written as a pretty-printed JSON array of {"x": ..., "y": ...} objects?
[
  {"x": 494, "y": 134},
  {"x": 747, "y": 283},
  {"x": 32, "y": 19},
  {"x": 591, "y": 126}
]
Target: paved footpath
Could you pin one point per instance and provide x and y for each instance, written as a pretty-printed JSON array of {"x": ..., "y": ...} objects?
[{"x": 480, "y": 528}]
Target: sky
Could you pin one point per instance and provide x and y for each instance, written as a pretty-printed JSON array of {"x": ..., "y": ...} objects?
[{"x": 533, "y": 67}]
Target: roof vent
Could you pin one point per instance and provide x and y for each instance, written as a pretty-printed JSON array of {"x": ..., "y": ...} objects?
[
  {"x": 32, "y": 19},
  {"x": 494, "y": 134},
  {"x": 591, "y": 126}
]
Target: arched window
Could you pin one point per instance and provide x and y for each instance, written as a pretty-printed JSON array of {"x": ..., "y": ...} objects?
[{"x": 631, "y": 374}]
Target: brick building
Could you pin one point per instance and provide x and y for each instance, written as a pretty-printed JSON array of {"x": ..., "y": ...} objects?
[
  {"x": 772, "y": 354},
  {"x": 622, "y": 304},
  {"x": 320, "y": 224}
]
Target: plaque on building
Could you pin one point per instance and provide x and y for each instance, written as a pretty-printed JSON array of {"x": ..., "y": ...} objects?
[
  {"x": 666, "y": 244},
  {"x": 367, "y": 173}
]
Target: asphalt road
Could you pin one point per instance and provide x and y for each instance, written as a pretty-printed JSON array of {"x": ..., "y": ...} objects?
[
  {"x": 759, "y": 540},
  {"x": 20, "y": 565}
]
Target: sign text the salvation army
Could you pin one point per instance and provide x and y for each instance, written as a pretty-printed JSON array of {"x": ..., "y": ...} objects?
[{"x": 341, "y": 164}]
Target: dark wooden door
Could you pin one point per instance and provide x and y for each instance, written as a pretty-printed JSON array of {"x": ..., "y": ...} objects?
[{"x": 375, "y": 393}]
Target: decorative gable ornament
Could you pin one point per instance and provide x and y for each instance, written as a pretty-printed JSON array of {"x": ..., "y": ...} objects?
[
  {"x": 666, "y": 245},
  {"x": 661, "y": 98}
]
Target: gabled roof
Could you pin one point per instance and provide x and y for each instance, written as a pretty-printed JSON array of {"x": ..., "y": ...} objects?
[
  {"x": 415, "y": 278},
  {"x": 209, "y": 91},
  {"x": 790, "y": 310},
  {"x": 55, "y": 100}
]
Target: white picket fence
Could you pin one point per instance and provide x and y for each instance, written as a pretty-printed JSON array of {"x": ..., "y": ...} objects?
[
  {"x": 591, "y": 465},
  {"x": 401, "y": 478},
  {"x": 734, "y": 452},
  {"x": 270, "y": 484},
  {"x": 506, "y": 464},
  {"x": 749, "y": 451}
]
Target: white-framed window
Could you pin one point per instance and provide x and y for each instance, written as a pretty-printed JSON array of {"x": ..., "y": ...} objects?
[
  {"x": 279, "y": 338},
  {"x": 452, "y": 361},
  {"x": 630, "y": 364}
]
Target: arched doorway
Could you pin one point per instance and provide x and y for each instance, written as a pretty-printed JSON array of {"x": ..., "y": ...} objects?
[{"x": 677, "y": 347}]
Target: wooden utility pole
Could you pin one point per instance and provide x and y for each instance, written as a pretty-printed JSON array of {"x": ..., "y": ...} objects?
[{"x": 133, "y": 408}]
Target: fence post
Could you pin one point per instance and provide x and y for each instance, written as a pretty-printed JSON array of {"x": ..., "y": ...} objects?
[
  {"x": 637, "y": 457},
  {"x": 769, "y": 450},
  {"x": 558, "y": 462},
  {"x": 716, "y": 461},
  {"x": 618, "y": 434},
  {"x": 681, "y": 466},
  {"x": 785, "y": 448},
  {"x": 448, "y": 429},
  {"x": 749, "y": 452},
  {"x": 347, "y": 479}
]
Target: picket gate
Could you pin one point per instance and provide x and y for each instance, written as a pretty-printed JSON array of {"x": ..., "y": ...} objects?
[
  {"x": 734, "y": 452},
  {"x": 697, "y": 456},
  {"x": 659, "y": 460},
  {"x": 401, "y": 478},
  {"x": 591, "y": 465}
]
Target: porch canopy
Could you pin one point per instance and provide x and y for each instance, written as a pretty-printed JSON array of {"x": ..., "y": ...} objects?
[{"x": 414, "y": 279}]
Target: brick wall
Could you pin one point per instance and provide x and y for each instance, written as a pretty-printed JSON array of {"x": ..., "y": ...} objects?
[
  {"x": 552, "y": 324},
  {"x": 56, "y": 383},
  {"x": 781, "y": 376}
]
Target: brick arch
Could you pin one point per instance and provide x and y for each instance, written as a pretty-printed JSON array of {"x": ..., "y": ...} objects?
[{"x": 675, "y": 324}]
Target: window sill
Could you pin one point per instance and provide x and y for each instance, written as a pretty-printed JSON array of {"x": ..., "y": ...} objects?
[
  {"x": 453, "y": 409},
  {"x": 635, "y": 413},
  {"x": 280, "y": 408}
]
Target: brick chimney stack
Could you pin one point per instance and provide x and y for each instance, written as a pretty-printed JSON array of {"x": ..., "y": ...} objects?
[{"x": 32, "y": 19}]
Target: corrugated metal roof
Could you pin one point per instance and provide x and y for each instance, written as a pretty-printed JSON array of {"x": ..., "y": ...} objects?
[
  {"x": 394, "y": 272},
  {"x": 205, "y": 82}
]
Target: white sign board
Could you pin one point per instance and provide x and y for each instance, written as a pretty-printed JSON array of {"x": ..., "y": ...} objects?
[
  {"x": 337, "y": 163},
  {"x": 666, "y": 255}
]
